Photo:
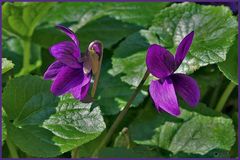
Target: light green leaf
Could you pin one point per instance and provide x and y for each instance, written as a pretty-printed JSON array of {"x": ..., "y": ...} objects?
[
  {"x": 213, "y": 37},
  {"x": 52, "y": 125},
  {"x": 6, "y": 65},
  {"x": 113, "y": 94},
  {"x": 81, "y": 13},
  {"x": 195, "y": 131},
  {"x": 75, "y": 123},
  {"x": 78, "y": 14},
  {"x": 230, "y": 66},
  {"x": 215, "y": 33},
  {"x": 21, "y": 19}
]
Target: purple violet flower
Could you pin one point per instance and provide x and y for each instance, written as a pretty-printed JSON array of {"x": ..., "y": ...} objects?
[
  {"x": 162, "y": 64},
  {"x": 67, "y": 72}
]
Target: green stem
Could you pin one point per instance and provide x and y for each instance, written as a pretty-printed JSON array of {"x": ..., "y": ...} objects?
[
  {"x": 225, "y": 96},
  {"x": 26, "y": 44},
  {"x": 12, "y": 149},
  {"x": 74, "y": 153},
  {"x": 120, "y": 117}
]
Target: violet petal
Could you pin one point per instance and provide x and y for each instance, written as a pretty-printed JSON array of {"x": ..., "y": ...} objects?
[
  {"x": 80, "y": 92},
  {"x": 53, "y": 70},
  {"x": 160, "y": 62},
  {"x": 64, "y": 52},
  {"x": 183, "y": 49},
  {"x": 187, "y": 88},
  {"x": 66, "y": 79},
  {"x": 69, "y": 33},
  {"x": 164, "y": 96}
]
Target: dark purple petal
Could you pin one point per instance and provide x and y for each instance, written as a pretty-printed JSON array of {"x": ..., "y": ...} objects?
[
  {"x": 164, "y": 96},
  {"x": 160, "y": 62},
  {"x": 64, "y": 52},
  {"x": 53, "y": 70},
  {"x": 187, "y": 88},
  {"x": 66, "y": 79},
  {"x": 80, "y": 92},
  {"x": 183, "y": 48},
  {"x": 70, "y": 33}
]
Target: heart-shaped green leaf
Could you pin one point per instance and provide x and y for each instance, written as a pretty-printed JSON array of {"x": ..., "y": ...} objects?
[
  {"x": 52, "y": 125},
  {"x": 19, "y": 91},
  {"x": 81, "y": 12},
  {"x": 195, "y": 131},
  {"x": 213, "y": 37},
  {"x": 88, "y": 19}
]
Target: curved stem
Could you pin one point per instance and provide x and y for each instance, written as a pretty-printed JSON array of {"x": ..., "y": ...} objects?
[
  {"x": 97, "y": 76},
  {"x": 74, "y": 153},
  {"x": 26, "y": 44},
  {"x": 225, "y": 96},
  {"x": 120, "y": 117},
  {"x": 12, "y": 149}
]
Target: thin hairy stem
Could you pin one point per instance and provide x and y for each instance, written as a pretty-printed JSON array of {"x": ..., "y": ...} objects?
[
  {"x": 120, "y": 117},
  {"x": 224, "y": 97},
  {"x": 12, "y": 149}
]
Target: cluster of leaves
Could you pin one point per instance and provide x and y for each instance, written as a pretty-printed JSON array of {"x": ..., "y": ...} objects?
[{"x": 39, "y": 124}]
